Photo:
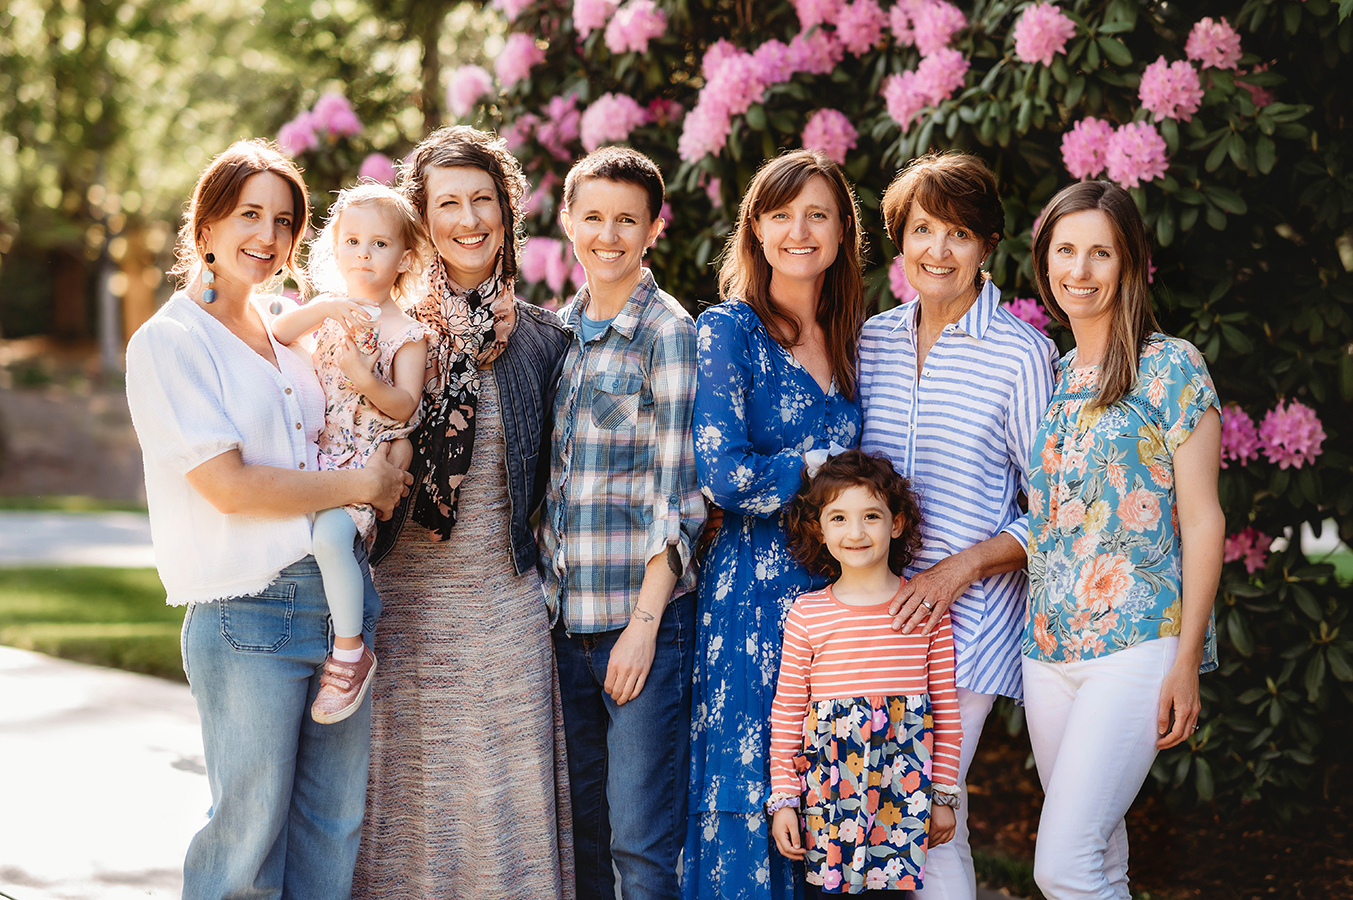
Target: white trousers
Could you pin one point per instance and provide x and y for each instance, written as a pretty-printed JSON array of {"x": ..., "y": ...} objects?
[
  {"x": 1092, "y": 725},
  {"x": 948, "y": 867}
]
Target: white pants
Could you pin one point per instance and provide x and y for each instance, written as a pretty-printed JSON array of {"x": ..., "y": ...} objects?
[
  {"x": 1092, "y": 725},
  {"x": 948, "y": 867}
]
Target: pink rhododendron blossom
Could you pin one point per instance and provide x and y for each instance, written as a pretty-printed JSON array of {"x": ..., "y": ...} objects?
[
  {"x": 610, "y": 119},
  {"x": 898, "y": 283},
  {"x": 715, "y": 56},
  {"x": 775, "y": 62},
  {"x": 1214, "y": 44},
  {"x": 903, "y": 99},
  {"x": 1136, "y": 153},
  {"x": 933, "y": 24},
  {"x": 634, "y": 25},
  {"x": 1239, "y": 436},
  {"x": 1030, "y": 311},
  {"x": 1085, "y": 147},
  {"x": 830, "y": 131},
  {"x": 1170, "y": 90},
  {"x": 298, "y": 135},
  {"x": 816, "y": 12},
  {"x": 589, "y": 15},
  {"x": 859, "y": 26},
  {"x": 899, "y": 20},
  {"x": 1250, "y": 547},
  {"x": 558, "y": 267},
  {"x": 333, "y": 113},
  {"x": 940, "y": 74},
  {"x": 512, "y": 8},
  {"x": 704, "y": 132},
  {"x": 517, "y": 132},
  {"x": 534, "y": 201},
  {"x": 578, "y": 277},
  {"x": 1041, "y": 33},
  {"x": 1291, "y": 435},
  {"x": 468, "y": 84},
  {"x": 664, "y": 112},
  {"x": 378, "y": 167},
  {"x": 559, "y": 126},
  {"x": 817, "y": 52},
  {"x": 1262, "y": 96},
  {"x": 714, "y": 191},
  {"x": 519, "y": 55},
  {"x": 535, "y": 253}
]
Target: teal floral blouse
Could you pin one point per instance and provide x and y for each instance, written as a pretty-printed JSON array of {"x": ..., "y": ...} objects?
[{"x": 1104, "y": 555}]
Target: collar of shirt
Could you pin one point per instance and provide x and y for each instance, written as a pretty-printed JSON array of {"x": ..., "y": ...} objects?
[
  {"x": 627, "y": 320},
  {"x": 973, "y": 323}
]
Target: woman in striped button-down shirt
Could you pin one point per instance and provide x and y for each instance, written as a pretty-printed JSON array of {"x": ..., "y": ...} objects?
[{"x": 953, "y": 387}]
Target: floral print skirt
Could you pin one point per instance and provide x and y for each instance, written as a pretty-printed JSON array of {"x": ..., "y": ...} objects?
[{"x": 865, "y": 774}]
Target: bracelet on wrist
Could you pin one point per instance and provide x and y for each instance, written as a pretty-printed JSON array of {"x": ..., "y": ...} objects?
[
  {"x": 777, "y": 802},
  {"x": 944, "y": 795}
]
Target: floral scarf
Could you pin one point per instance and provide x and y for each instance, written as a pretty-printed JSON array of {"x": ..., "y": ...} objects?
[{"x": 470, "y": 331}]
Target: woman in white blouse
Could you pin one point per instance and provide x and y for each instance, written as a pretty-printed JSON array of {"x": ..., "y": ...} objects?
[{"x": 227, "y": 420}]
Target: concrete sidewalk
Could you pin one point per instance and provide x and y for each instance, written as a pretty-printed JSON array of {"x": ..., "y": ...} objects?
[
  {"x": 103, "y": 781},
  {"x": 75, "y": 539}
]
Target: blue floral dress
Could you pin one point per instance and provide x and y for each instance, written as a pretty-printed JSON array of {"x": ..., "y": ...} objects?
[
  {"x": 756, "y": 412},
  {"x": 1104, "y": 556}
]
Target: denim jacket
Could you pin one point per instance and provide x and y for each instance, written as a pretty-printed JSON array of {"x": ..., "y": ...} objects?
[{"x": 527, "y": 373}]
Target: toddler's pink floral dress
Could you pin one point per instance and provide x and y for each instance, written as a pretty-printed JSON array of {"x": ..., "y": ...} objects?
[{"x": 353, "y": 428}]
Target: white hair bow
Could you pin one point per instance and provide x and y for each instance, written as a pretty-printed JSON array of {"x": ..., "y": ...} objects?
[{"x": 814, "y": 459}]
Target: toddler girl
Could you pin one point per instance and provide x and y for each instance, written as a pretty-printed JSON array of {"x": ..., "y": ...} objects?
[
  {"x": 371, "y": 250},
  {"x": 864, "y": 729}
]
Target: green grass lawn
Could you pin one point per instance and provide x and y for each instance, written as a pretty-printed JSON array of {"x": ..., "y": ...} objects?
[{"x": 109, "y": 617}]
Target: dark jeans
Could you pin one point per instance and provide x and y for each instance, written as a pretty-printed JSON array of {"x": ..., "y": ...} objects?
[{"x": 627, "y": 765}]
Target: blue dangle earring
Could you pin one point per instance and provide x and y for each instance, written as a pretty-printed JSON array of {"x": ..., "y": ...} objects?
[{"x": 209, "y": 278}]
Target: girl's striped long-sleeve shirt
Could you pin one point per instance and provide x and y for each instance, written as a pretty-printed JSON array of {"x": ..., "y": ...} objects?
[{"x": 835, "y": 651}]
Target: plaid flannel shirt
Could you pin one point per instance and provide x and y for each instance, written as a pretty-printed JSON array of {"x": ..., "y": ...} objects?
[{"x": 622, "y": 464}]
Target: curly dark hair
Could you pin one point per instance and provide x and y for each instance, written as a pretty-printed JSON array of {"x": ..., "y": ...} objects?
[{"x": 853, "y": 468}]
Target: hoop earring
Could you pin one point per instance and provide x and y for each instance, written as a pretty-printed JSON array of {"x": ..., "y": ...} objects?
[{"x": 209, "y": 278}]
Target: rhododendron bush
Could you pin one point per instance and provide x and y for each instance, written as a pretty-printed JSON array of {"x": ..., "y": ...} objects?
[{"x": 1229, "y": 122}]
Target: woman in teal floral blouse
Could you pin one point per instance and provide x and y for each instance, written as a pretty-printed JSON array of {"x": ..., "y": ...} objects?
[{"x": 1125, "y": 542}]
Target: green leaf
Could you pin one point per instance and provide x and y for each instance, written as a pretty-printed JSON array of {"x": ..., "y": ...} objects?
[
  {"x": 1165, "y": 226},
  {"x": 1115, "y": 51},
  {"x": 1170, "y": 131},
  {"x": 1059, "y": 71},
  {"x": 1315, "y": 676},
  {"x": 1338, "y": 663},
  {"x": 1266, "y": 152},
  {"x": 1236, "y": 340},
  {"x": 1216, "y": 218},
  {"x": 1306, "y": 602},
  {"x": 1216, "y": 156},
  {"x": 1188, "y": 217},
  {"x": 1239, "y": 634},
  {"x": 1228, "y": 200},
  {"x": 1202, "y": 779},
  {"x": 756, "y": 117},
  {"x": 1074, "y": 91}
]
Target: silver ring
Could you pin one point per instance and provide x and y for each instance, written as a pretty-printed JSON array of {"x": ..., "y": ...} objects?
[{"x": 926, "y": 605}]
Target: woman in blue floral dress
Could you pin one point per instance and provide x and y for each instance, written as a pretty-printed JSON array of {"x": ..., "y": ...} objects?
[
  {"x": 1125, "y": 542},
  {"x": 777, "y": 380}
]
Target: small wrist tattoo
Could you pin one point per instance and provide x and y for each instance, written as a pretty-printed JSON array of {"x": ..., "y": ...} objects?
[{"x": 642, "y": 616}]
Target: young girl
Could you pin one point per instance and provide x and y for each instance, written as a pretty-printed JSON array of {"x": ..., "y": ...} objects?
[
  {"x": 864, "y": 729},
  {"x": 371, "y": 249}
]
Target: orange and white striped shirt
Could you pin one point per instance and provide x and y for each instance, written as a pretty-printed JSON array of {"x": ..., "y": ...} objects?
[{"x": 833, "y": 651}]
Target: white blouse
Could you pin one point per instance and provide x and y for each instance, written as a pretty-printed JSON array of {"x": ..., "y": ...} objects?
[{"x": 196, "y": 391}]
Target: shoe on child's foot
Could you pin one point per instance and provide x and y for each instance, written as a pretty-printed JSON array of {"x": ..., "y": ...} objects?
[{"x": 342, "y": 687}]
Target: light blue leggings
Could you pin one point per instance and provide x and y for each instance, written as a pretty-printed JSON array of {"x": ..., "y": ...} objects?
[{"x": 334, "y": 534}]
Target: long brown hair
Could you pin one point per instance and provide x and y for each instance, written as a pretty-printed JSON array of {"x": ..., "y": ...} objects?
[
  {"x": 463, "y": 146},
  {"x": 1132, "y": 320},
  {"x": 746, "y": 274},
  {"x": 218, "y": 192}
]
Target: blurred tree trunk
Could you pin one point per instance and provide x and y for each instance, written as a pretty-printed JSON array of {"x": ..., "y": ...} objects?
[{"x": 70, "y": 301}]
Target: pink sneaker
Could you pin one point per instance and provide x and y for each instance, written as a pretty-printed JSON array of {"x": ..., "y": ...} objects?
[{"x": 342, "y": 687}]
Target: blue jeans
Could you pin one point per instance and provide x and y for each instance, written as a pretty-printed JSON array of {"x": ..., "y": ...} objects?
[
  {"x": 287, "y": 793},
  {"x": 628, "y": 765}
]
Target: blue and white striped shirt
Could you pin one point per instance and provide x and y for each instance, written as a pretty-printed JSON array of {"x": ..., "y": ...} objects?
[{"x": 962, "y": 432}]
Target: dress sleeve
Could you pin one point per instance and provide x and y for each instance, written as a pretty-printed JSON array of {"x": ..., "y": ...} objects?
[
  {"x": 789, "y": 710},
  {"x": 731, "y": 472},
  {"x": 1033, "y": 390},
  {"x": 174, "y": 393},
  {"x": 944, "y": 703},
  {"x": 679, "y": 507}
]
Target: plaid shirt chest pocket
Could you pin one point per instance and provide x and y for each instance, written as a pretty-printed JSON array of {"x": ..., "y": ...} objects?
[{"x": 617, "y": 398}]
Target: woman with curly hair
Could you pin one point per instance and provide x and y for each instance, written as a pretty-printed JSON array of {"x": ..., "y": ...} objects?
[{"x": 466, "y": 732}]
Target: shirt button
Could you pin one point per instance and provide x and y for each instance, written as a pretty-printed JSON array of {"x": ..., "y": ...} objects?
[
  {"x": 288, "y": 390},
  {"x": 301, "y": 466},
  {"x": 298, "y": 426}
]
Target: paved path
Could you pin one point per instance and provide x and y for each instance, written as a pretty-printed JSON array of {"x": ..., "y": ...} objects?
[
  {"x": 75, "y": 539},
  {"x": 103, "y": 781}
]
